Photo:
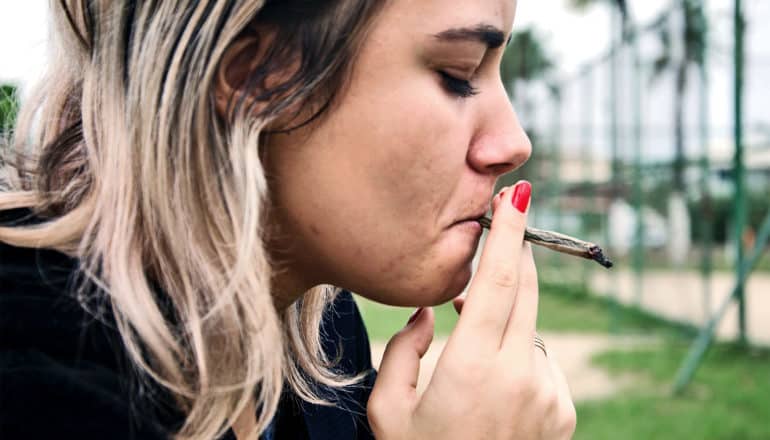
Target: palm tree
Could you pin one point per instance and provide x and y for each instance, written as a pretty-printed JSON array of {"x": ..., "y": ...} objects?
[
  {"x": 693, "y": 43},
  {"x": 692, "y": 40},
  {"x": 627, "y": 31}
]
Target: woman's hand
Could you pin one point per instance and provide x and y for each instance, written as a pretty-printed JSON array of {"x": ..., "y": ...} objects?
[{"x": 491, "y": 382}]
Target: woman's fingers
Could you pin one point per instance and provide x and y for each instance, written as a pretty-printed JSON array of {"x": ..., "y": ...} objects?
[
  {"x": 567, "y": 415},
  {"x": 493, "y": 291},
  {"x": 459, "y": 300},
  {"x": 521, "y": 327},
  {"x": 559, "y": 377},
  {"x": 553, "y": 398},
  {"x": 395, "y": 389}
]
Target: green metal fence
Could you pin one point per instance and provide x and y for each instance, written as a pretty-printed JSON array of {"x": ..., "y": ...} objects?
[{"x": 631, "y": 136}]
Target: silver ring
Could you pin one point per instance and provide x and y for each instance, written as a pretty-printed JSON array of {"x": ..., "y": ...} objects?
[{"x": 539, "y": 343}]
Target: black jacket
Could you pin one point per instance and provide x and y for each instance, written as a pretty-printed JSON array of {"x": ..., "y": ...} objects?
[{"x": 65, "y": 374}]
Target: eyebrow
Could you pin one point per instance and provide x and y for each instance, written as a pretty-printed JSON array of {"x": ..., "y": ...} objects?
[{"x": 483, "y": 33}]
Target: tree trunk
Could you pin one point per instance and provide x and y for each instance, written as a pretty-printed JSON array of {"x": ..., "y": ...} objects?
[
  {"x": 679, "y": 240},
  {"x": 679, "y": 158}
]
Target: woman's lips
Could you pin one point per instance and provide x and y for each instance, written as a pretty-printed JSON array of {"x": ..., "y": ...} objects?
[{"x": 470, "y": 225}]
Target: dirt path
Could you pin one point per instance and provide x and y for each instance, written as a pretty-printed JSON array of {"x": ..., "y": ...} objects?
[
  {"x": 678, "y": 296},
  {"x": 573, "y": 351}
]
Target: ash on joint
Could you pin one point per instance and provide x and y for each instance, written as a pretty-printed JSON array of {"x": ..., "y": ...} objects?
[{"x": 597, "y": 254}]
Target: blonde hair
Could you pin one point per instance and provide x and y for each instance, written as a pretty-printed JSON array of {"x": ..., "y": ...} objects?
[{"x": 121, "y": 150}]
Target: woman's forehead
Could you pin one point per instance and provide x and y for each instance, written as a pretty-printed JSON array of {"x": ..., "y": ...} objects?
[{"x": 433, "y": 17}]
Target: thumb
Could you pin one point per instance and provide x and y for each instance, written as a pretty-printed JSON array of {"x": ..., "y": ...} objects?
[{"x": 400, "y": 366}]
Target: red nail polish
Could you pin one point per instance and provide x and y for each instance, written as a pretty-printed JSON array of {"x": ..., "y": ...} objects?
[
  {"x": 414, "y": 316},
  {"x": 521, "y": 196}
]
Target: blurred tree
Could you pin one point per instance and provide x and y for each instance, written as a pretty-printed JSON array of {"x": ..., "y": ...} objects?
[
  {"x": 525, "y": 62},
  {"x": 9, "y": 105},
  {"x": 625, "y": 32},
  {"x": 621, "y": 5},
  {"x": 692, "y": 44},
  {"x": 680, "y": 53}
]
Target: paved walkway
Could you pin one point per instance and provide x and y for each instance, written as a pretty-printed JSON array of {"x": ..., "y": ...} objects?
[
  {"x": 678, "y": 296},
  {"x": 573, "y": 351}
]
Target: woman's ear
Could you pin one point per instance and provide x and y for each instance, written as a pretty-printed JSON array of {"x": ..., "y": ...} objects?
[
  {"x": 254, "y": 55},
  {"x": 238, "y": 61}
]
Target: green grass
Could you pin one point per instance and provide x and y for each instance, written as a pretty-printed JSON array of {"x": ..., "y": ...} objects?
[
  {"x": 571, "y": 307},
  {"x": 729, "y": 398},
  {"x": 563, "y": 307},
  {"x": 382, "y": 322}
]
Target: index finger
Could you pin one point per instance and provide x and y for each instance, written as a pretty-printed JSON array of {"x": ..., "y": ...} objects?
[
  {"x": 492, "y": 292},
  {"x": 523, "y": 321}
]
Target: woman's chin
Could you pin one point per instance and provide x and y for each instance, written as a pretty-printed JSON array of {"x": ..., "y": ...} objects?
[
  {"x": 441, "y": 290},
  {"x": 435, "y": 283},
  {"x": 456, "y": 280},
  {"x": 429, "y": 293},
  {"x": 459, "y": 283}
]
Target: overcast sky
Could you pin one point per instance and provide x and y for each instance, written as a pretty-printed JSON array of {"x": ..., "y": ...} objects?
[{"x": 572, "y": 37}]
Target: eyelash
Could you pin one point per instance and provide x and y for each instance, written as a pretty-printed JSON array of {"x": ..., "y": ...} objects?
[{"x": 456, "y": 86}]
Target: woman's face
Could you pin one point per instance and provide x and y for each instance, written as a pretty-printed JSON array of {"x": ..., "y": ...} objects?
[{"x": 374, "y": 196}]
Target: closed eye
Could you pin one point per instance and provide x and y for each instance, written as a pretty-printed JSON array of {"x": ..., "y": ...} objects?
[{"x": 457, "y": 86}]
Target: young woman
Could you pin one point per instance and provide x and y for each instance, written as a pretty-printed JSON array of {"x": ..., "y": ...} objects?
[{"x": 192, "y": 179}]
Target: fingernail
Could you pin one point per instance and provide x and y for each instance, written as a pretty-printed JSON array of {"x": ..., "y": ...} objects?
[
  {"x": 521, "y": 195},
  {"x": 414, "y": 316}
]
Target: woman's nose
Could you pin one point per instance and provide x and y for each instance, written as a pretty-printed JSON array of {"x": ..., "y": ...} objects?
[{"x": 500, "y": 144}]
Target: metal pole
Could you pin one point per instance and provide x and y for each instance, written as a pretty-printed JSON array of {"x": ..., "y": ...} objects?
[
  {"x": 739, "y": 170},
  {"x": 617, "y": 44},
  {"x": 705, "y": 337},
  {"x": 638, "y": 258},
  {"x": 555, "y": 180},
  {"x": 707, "y": 222},
  {"x": 614, "y": 145},
  {"x": 587, "y": 160},
  {"x": 557, "y": 154}
]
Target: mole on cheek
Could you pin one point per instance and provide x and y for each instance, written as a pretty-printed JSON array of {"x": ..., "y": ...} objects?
[{"x": 314, "y": 229}]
